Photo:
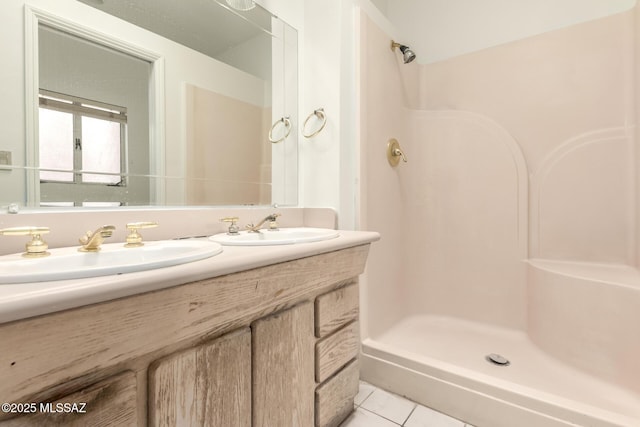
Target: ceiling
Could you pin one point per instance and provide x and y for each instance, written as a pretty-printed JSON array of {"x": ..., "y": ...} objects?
[{"x": 208, "y": 26}]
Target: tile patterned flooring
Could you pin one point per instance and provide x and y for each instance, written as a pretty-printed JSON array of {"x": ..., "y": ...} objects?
[{"x": 378, "y": 408}]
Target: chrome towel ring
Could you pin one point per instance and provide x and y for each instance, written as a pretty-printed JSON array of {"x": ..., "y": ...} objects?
[
  {"x": 319, "y": 113},
  {"x": 287, "y": 126}
]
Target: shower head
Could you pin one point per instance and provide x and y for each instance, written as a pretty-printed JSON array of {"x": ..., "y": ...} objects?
[{"x": 407, "y": 54}]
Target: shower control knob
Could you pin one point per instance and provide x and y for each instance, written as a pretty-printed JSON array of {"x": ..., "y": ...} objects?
[{"x": 394, "y": 152}]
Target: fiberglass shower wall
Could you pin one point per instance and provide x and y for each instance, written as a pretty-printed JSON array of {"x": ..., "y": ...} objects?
[{"x": 521, "y": 150}]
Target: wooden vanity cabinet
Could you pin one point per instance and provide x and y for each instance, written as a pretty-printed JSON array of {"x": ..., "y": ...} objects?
[
  {"x": 235, "y": 350},
  {"x": 208, "y": 385}
]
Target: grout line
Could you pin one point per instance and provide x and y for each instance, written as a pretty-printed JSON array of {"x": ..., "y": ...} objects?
[
  {"x": 365, "y": 399},
  {"x": 411, "y": 413},
  {"x": 378, "y": 415},
  {"x": 415, "y": 406}
]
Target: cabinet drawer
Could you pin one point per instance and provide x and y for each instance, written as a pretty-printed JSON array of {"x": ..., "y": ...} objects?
[
  {"x": 334, "y": 398},
  {"x": 111, "y": 402},
  {"x": 336, "y": 308},
  {"x": 334, "y": 351}
]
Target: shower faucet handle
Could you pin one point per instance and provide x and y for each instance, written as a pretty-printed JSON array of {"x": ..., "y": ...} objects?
[
  {"x": 395, "y": 153},
  {"x": 398, "y": 152}
]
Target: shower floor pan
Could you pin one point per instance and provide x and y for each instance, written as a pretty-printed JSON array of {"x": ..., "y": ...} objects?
[{"x": 441, "y": 362}]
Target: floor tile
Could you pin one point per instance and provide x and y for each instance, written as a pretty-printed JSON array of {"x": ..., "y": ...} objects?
[
  {"x": 425, "y": 417},
  {"x": 363, "y": 392},
  {"x": 388, "y": 405},
  {"x": 364, "y": 418}
]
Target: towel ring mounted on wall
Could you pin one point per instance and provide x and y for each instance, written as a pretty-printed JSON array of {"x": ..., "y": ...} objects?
[
  {"x": 287, "y": 126},
  {"x": 319, "y": 113}
]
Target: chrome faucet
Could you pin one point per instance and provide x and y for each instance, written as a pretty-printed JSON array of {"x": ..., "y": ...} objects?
[
  {"x": 91, "y": 241},
  {"x": 273, "y": 225}
]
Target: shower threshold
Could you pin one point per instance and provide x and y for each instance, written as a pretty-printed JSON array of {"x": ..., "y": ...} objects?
[{"x": 441, "y": 363}]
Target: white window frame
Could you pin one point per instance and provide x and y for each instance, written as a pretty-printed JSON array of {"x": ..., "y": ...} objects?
[{"x": 79, "y": 108}]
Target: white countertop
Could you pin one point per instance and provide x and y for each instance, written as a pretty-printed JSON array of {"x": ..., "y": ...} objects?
[{"x": 20, "y": 301}]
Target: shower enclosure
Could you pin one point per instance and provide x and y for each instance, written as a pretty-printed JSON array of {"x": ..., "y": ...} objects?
[{"x": 510, "y": 230}]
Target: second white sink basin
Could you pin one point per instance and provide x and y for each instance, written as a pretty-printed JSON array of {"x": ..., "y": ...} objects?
[
  {"x": 113, "y": 258},
  {"x": 282, "y": 236}
]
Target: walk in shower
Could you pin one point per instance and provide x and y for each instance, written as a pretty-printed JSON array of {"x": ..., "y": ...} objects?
[{"x": 505, "y": 288}]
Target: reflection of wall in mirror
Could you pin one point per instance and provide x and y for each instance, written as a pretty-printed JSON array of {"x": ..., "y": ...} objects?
[{"x": 226, "y": 137}]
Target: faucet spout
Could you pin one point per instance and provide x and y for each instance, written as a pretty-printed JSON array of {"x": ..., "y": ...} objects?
[
  {"x": 92, "y": 240},
  {"x": 272, "y": 223}
]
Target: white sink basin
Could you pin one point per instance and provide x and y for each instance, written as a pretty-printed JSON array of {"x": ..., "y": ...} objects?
[
  {"x": 282, "y": 236},
  {"x": 113, "y": 258}
]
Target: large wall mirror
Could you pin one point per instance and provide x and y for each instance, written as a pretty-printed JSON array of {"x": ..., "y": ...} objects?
[{"x": 154, "y": 102}]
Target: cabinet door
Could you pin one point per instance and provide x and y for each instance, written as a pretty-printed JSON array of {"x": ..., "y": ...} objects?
[
  {"x": 283, "y": 369},
  {"x": 208, "y": 385},
  {"x": 108, "y": 403}
]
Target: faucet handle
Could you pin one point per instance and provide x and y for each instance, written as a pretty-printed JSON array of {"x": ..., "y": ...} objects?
[
  {"x": 233, "y": 227},
  {"x": 134, "y": 238},
  {"x": 273, "y": 224},
  {"x": 37, "y": 247}
]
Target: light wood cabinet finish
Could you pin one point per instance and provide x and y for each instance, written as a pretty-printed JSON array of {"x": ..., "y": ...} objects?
[
  {"x": 336, "y": 308},
  {"x": 54, "y": 355},
  {"x": 334, "y": 351},
  {"x": 208, "y": 385},
  {"x": 334, "y": 398},
  {"x": 283, "y": 369},
  {"x": 111, "y": 402}
]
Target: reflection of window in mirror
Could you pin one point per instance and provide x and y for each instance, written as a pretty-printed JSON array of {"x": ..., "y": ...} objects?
[
  {"x": 93, "y": 122},
  {"x": 78, "y": 134}
]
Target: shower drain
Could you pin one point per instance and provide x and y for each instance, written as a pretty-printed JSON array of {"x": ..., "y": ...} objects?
[{"x": 496, "y": 359}]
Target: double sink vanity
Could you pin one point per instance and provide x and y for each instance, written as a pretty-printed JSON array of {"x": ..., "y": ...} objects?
[{"x": 259, "y": 331}]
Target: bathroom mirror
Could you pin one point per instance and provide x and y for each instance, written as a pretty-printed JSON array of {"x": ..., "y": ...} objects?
[{"x": 154, "y": 102}]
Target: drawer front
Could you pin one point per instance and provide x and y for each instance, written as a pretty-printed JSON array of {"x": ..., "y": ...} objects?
[
  {"x": 334, "y": 351},
  {"x": 335, "y": 309},
  {"x": 334, "y": 398},
  {"x": 108, "y": 403}
]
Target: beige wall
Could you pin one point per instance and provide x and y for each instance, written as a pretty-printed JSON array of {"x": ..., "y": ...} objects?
[
  {"x": 226, "y": 137},
  {"x": 566, "y": 97},
  {"x": 522, "y": 150}
]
